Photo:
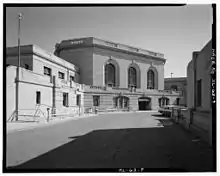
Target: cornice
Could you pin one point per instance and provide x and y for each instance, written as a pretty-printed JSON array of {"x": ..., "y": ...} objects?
[{"x": 99, "y": 43}]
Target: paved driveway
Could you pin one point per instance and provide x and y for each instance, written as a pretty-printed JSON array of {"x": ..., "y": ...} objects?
[{"x": 129, "y": 140}]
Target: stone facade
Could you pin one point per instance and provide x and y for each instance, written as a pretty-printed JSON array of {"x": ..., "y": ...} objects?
[
  {"x": 73, "y": 80},
  {"x": 91, "y": 55}
]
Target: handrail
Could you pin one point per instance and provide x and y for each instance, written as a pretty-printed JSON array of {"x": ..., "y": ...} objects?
[
  {"x": 26, "y": 109},
  {"x": 42, "y": 112},
  {"x": 11, "y": 117},
  {"x": 37, "y": 113},
  {"x": 38, "y": 105}
]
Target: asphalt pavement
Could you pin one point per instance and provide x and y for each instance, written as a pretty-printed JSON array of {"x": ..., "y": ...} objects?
[{"x": 129, "y": 140}]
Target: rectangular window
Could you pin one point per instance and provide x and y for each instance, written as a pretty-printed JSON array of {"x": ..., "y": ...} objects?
[
  {"x": 37, "y": 97},
  {"x": 72, "y": 78},
  {"x": 65, "y": 99},
  {"x": 178, "y": 101},
  {"x": 78, "y": 100},
  {"x": 199, "y": 92},
  {"x": 114, "y": 102},
  {"x": 96, "y": 100},
  {"x": 61, "y": 75},
  {"x": 26, "y": 66},
  {"x": 47, "y": 71}
]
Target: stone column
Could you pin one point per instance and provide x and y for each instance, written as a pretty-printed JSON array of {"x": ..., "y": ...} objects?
[
  {"x": 53, "y": 111},
  {"x": 118, "y": 102},
  {"x": 123, "y": 100}
]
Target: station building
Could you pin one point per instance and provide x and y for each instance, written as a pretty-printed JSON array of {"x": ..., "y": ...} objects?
[
  {"x": 122, "y": 74},
  {"x": 86, "y": 73}
]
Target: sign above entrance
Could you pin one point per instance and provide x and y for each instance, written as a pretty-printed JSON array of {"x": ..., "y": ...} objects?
[
  {"x": 77, "y": 42},
  {"x": 144, "y": 99}
]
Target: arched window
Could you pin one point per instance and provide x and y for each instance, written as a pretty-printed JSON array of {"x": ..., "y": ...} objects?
[
  {"x": 132, "y": 77},
  {"x": 110, "y": 75},
  {"x": 150, "y": 79}
]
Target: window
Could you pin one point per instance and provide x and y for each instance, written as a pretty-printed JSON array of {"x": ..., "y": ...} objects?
[
  {"x": 37, "y": 97},
  {"x": 65, "y": 99},
  {"x": 72, "y": 78},
  {"x": 174, "y": 87},
  {"x": 78, "y": 100},
  {"x": 199, "y": 92},
  {"x": 160, "y": 102},
  {"x": 26, "y": 66},
  {"x": 121, "y": 102},
  {"x": 61, "y": 75},
  {"x": 163, "y": 101},
  {"x": 132, "y": 75},
  {"x": 96, "y": 100},
  {"x": 110, "y": 75},
  {"x": 47, "y": 71},
  {"x": 178, "y": 101},
  {"x": 150, "y": 79},
  {"x": 114, "y": 102}
]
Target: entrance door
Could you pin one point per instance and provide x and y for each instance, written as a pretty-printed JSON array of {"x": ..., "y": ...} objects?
[{"x": 144, "y": 103}]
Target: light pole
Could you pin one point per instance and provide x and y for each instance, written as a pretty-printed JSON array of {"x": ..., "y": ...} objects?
[
  {"x": 17, "y": 75},
  {"x": 171, "y": 74}
]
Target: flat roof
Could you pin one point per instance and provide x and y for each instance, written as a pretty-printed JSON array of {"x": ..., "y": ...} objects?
[
  {"x": 175, "y": 79},
  {"x": 36, "y": 50}
]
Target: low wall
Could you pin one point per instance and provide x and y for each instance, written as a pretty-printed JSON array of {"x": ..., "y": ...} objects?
[{"x": 201, "y": 119}]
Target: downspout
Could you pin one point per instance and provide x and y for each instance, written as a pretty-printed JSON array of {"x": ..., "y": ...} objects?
[
  {"x": 54, "y": 96},
  {"x": 195, "y": 76}
]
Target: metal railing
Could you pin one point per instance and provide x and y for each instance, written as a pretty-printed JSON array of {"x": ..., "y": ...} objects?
[{"x": 12, "y": 117}]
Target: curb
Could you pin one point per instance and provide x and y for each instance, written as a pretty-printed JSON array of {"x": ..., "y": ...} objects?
[
  {"x": 58, "y": 121},
  {"x": 44, "y": 124}
]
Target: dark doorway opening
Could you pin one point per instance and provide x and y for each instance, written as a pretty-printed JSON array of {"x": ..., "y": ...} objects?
[{"x": 144, "y": 103}]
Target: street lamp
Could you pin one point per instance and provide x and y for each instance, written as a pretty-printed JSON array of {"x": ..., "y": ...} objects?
[
  {"x": 18, "y": 65},
  {"x": 171, "y": 74}
]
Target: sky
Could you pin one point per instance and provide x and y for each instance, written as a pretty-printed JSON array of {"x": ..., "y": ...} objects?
[{"x": 174, "y": 31}]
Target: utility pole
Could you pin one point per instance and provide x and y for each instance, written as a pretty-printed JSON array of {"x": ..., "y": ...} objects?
[{"x": 18, "y": 65}]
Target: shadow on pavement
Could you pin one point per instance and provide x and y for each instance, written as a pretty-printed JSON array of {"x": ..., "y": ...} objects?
[
  {"x": 158, "y": 148},
  {"x": 158, "y": 115}
]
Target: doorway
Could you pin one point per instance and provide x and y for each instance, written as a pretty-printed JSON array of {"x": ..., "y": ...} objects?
[{"x": 144, "y": 103}]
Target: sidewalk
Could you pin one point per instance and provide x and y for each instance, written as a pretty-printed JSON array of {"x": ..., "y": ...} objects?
[{"x": 24, "y": 125}]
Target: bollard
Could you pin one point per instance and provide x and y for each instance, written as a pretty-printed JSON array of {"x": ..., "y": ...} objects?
[
  {"x": 48, "y": 109},
  {"x": 96, "y": 110},
  {"x": 178, "y": 116},
  {"x": 172, "y": 113}
]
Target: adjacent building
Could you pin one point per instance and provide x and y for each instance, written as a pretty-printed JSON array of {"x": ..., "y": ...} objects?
[
  {"x": 45, "y": 81},
  {"x": 177, "y": 84},
  {"x": 199, "y": 90}
]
